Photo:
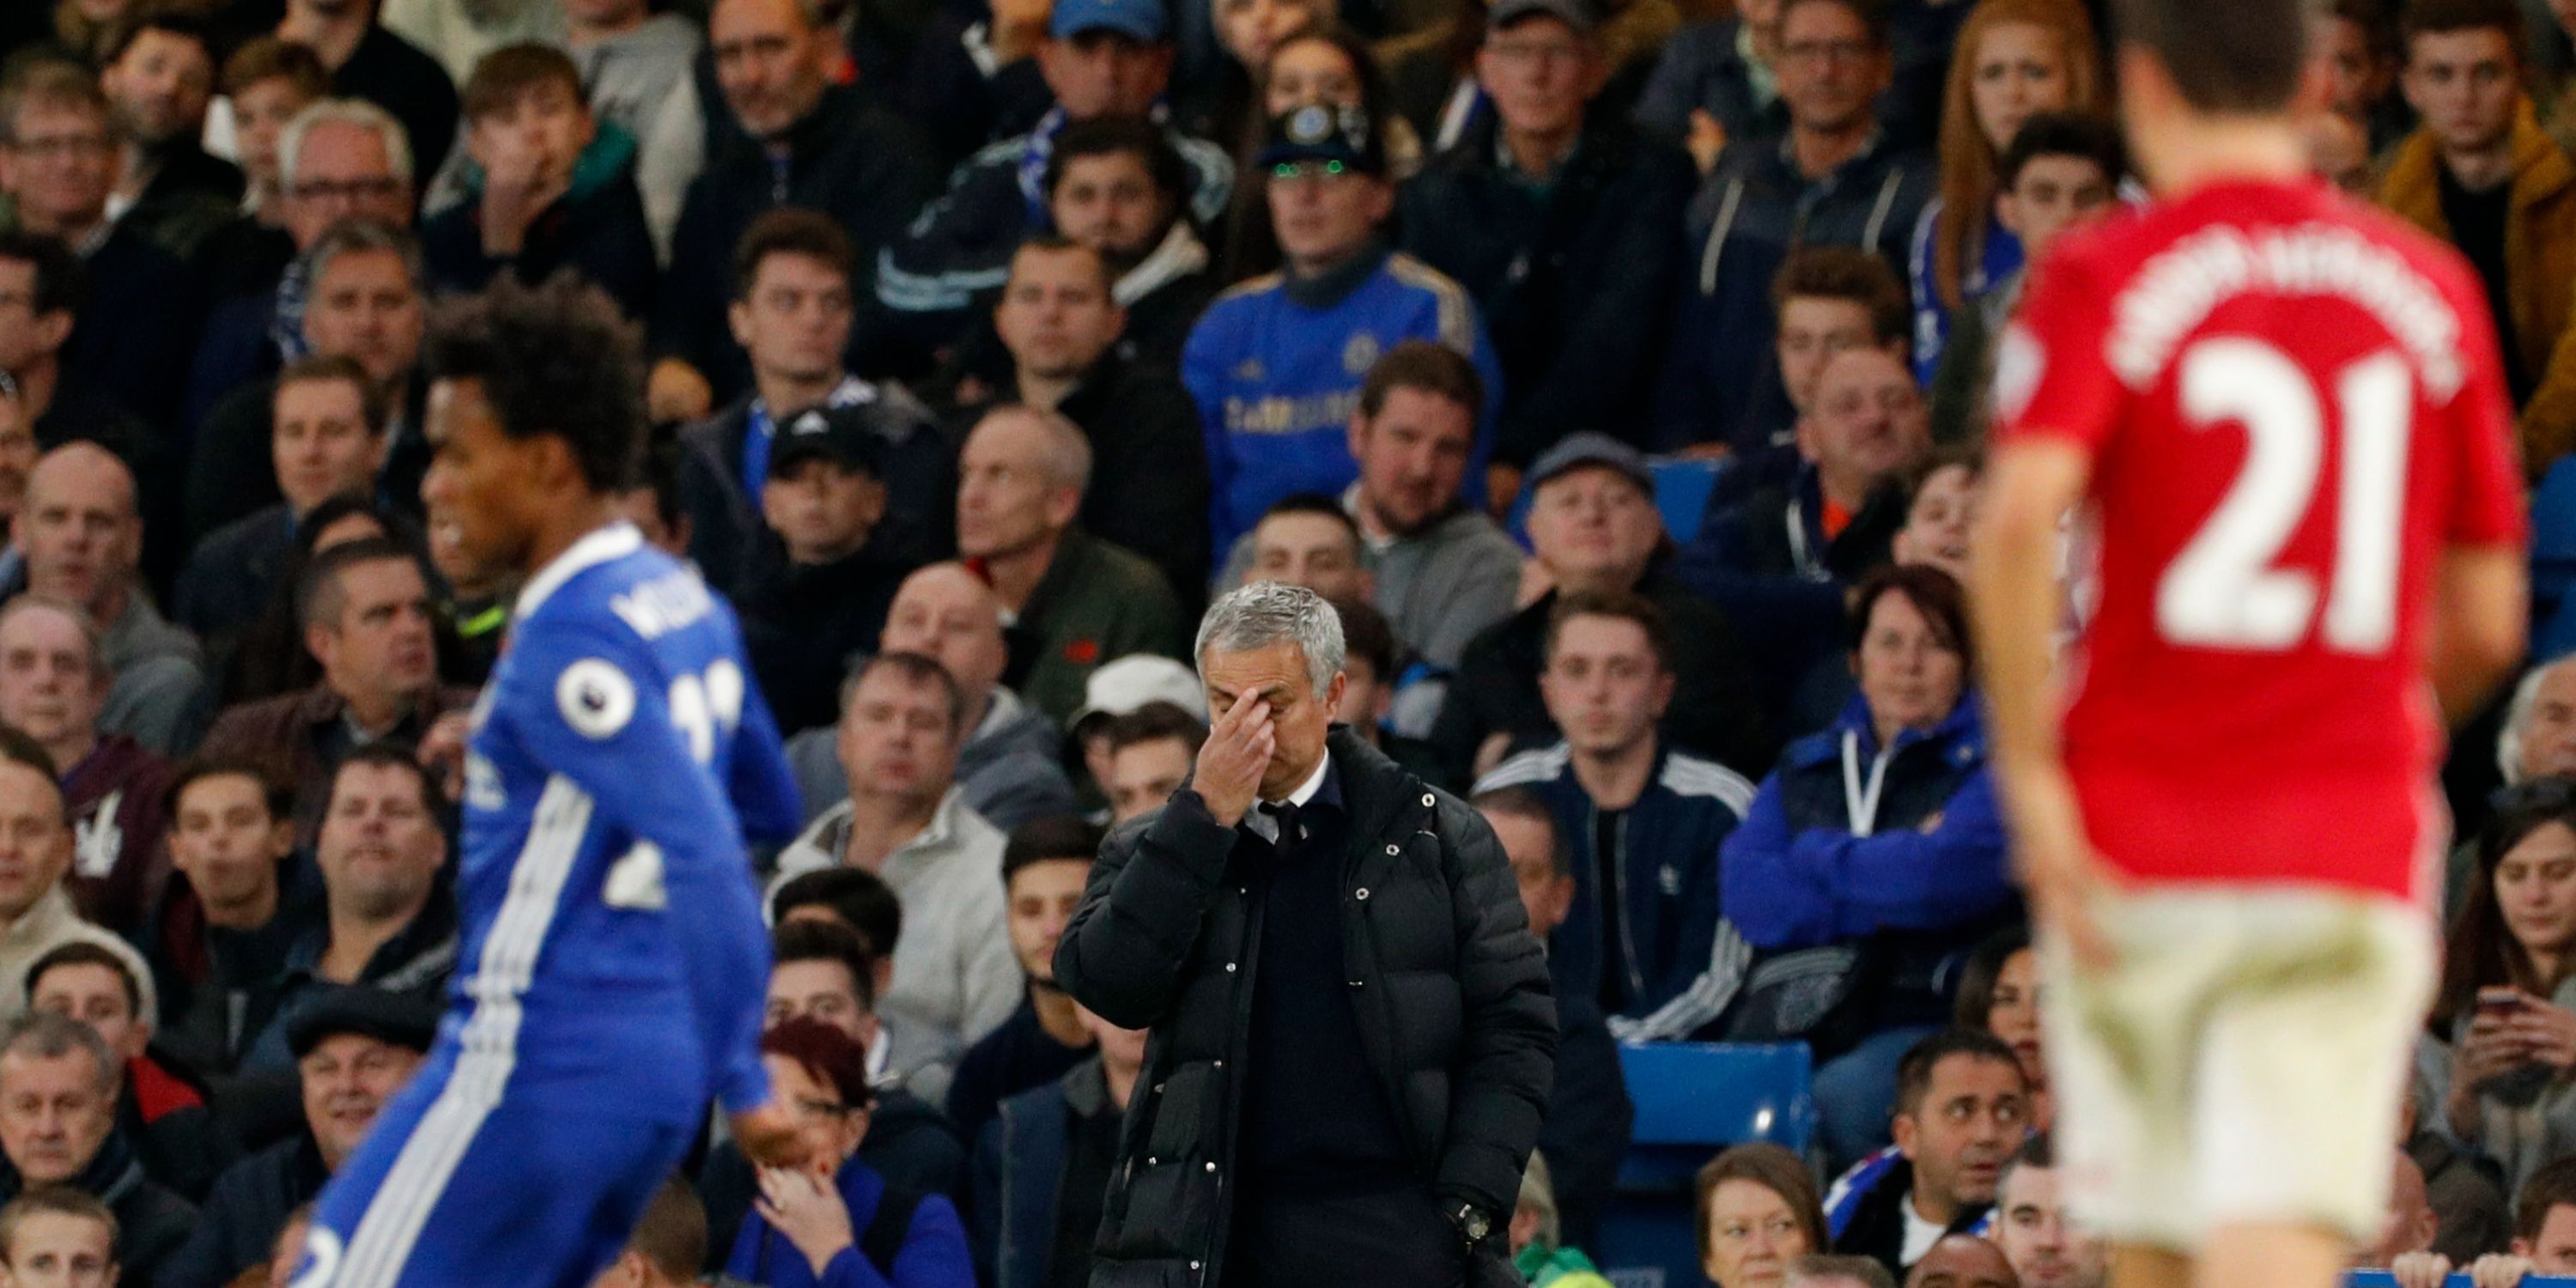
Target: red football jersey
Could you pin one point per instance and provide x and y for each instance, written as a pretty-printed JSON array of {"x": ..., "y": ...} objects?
[{"x": 2292, "y": 405}]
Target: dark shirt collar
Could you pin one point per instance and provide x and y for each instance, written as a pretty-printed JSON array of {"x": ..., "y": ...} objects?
[{"x": 1333, "y": 285}]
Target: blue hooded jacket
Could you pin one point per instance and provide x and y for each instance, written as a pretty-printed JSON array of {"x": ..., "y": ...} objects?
[
  {"x": 934, "y": 1249},
  {"x": 1927, "y": 876}
]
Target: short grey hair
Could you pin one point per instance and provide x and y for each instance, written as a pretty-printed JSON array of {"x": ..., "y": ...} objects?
[
  {"x": 1271, "y": 612},
  {"x": 51, "y": 1035},
  {"x": 1067, "y": 458},
  {"x": 2517, "y": 719},
  {"x": 342, "y": 111},
  {"x": 354, "y": 234}
]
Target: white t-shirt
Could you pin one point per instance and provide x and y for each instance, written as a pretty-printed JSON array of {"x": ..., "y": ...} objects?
[{"x": 1920, "y": 1234}]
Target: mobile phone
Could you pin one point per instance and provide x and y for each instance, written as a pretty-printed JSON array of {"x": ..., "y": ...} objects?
[{"x": 2498, "y": 1001}]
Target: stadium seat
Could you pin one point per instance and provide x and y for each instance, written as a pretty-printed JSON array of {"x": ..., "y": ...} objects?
[
  {"x": 1693, "y": 1099},
  {"x": 2553, "y": 562},
  {"x": 1682, "y": 489}
]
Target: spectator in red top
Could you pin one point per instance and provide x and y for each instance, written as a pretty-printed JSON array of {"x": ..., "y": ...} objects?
[
  {"x": 162, "y": 1112},
  {"x": 53, "y": 683}
]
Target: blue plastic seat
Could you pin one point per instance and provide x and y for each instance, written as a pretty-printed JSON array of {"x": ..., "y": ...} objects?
[
  {"x": 2553, "y": 562},
  {"x": 1693, "y": 1099},
  {"x": 1681, "y": 492},
  {"x": 1682, "y": 489}
]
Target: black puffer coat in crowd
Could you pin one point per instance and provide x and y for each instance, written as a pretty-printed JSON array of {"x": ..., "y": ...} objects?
[{"x": 1449, "y": 987}]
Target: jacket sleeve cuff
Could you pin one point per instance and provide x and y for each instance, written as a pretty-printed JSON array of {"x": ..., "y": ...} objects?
[{"x": 1187, "y": 830}]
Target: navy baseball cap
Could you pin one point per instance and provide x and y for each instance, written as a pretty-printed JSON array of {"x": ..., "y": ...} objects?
[
  {"x": 1139, "y": 20},
  {"x": 1317, "y": 132},
  {"x": 1591, "y": 449},
  {"x": 1577, "y": 15}
]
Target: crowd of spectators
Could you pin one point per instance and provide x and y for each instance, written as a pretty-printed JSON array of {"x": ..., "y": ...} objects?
[{"x": 988, "y": 343}]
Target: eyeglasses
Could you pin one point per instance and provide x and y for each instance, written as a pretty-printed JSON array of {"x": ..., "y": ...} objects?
[
  {"x": 349, "y": 189},
  {"x": 1306, "y": 169},
  {"x": 823, "y": 1108}
]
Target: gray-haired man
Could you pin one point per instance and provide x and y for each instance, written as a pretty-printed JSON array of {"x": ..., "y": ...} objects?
[{"x": 1353, "y": 1037}]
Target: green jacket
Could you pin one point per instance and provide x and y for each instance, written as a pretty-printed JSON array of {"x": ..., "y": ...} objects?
[
  {"x": 1097, "y": 603},
  {"x": 1545, "y": 1267}
]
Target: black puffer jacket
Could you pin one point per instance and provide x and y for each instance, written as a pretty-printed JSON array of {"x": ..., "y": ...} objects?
[{"x": 1452, "y": 994}]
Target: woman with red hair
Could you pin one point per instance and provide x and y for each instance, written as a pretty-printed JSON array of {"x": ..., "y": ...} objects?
[
  {"x": 2014, "y": 59},
  {"x": 839, "y": 1225}
]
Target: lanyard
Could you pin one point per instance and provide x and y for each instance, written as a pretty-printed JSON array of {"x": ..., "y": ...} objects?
[
  {"x": 1861, "y": 801},
  {"x": 1802, "y": 555}
]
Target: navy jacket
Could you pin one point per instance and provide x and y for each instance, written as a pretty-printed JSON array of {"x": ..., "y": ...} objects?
[
  {"x": 1800, "y": 874},
  {"x": 960, "y": 247},
  {"x": 1763, "y": 557},
  {"x": 249, "y": 1204},
  {"x": 1679, "y": 961},
  {"x": 1703, "y": 70},
  {"x": 597, "y": 230},
  {"x": 1574, "y": 278},
  {"x": 1721, "y": 380},
  {"x": 1020, "y": 1159},
  {"x": 849, "y": 159}
]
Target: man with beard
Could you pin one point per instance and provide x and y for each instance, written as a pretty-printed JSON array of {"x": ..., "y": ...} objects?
[
  {"x": 389, "y": 922},
  {"x": 159, "y": 75},
  {"x": 1442, "y": 570}
]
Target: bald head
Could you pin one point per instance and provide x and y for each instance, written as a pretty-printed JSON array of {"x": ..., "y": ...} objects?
[
  {"x": 78, "y": 529},
  {"x": 1962, "y": 1261},
  {"x": 1020, "y": 481},
  {"x": 949, "y": 615}
]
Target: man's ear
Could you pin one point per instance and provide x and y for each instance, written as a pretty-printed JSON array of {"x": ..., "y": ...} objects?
[
  {"x": 1902, "y": 1131},
  {"x": 319, "y": 640}
]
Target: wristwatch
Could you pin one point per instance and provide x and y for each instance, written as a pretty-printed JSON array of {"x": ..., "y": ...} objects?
[{"x": 1473, "y": 1225}]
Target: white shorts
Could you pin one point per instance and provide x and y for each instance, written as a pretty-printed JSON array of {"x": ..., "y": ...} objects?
[{"x": 2241, "y": 1062}]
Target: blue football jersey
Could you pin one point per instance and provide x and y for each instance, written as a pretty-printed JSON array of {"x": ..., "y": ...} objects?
[{"x": 612, "y": 929}]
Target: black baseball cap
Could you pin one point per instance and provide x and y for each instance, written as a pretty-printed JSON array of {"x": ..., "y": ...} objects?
[
  {"x": 395, "y": 1018},
  {"x": 1317, "y": 132},
  {"x": 837, "y": 434},
  {"x": 1578, "y": 15}
]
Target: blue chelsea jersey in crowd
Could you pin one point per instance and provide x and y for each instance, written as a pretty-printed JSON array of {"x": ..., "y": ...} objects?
[
  {"x": 613, "y": 960},
  {"x": 619, "y": 756}
]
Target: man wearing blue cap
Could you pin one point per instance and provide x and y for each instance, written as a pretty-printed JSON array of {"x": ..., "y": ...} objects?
[
  {"x": 1101, "y": 58},
  {"x": 1276, "y": 364}
]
